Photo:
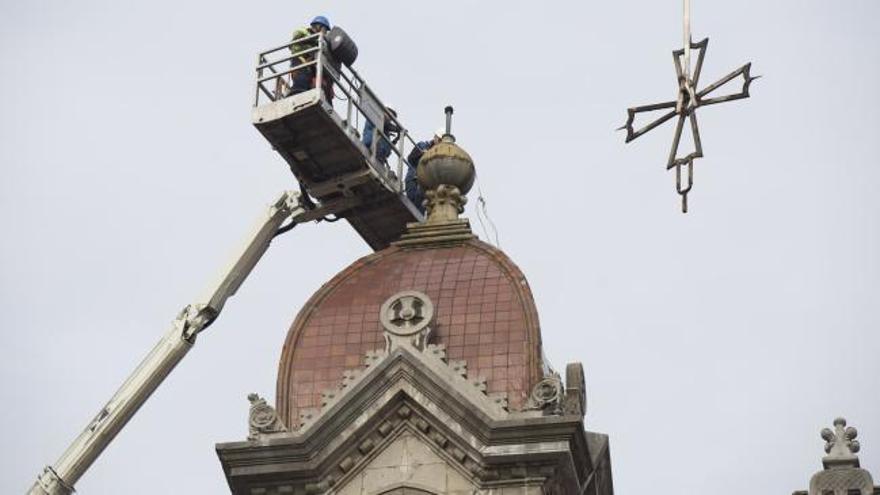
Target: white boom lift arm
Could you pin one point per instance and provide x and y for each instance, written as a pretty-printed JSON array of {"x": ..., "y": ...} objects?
[{"x": 79, "y": 456}]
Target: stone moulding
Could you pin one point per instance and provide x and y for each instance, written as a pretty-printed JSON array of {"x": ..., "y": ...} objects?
[
  {"x": 403, "y": 393},
  {"x": 452, "y": 376}
]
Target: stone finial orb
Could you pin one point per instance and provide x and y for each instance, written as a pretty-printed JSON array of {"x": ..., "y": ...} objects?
[
  {"x": 840, "y": 444},
  {"x": 446, "y": 163}
]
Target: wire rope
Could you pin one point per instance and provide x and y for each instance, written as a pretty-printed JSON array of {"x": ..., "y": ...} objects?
[
  {"x": 687, "y": 39},
  {"x": 483, "y": 212}
]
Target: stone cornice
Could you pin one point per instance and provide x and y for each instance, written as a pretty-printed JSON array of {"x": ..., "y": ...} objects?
[
  {"x": 425, "y": 235},
  {"x": 407, "y": 389}
]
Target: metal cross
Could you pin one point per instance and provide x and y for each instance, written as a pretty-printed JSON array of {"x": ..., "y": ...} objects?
[{"x": 685, "y": 106}]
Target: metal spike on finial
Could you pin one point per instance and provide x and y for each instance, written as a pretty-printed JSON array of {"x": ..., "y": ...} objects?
[
  {"x": 449, "y": 111},
  {"x": 446, "y": 173}
]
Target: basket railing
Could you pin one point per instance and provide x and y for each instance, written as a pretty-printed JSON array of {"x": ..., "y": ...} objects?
[{"x": 358, "y": 107}]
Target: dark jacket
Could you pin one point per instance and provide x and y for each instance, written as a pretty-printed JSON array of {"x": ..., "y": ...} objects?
[{"x": 413, "y": 190}]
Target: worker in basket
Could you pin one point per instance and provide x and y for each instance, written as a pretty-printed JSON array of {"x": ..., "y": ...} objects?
[
  {"x": 383, "y": 147},
  {"x": 303, "y": 79},
  {"x": 413, "y": 190}
]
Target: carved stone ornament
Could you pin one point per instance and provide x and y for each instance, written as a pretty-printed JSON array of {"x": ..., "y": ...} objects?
[
  {"x": 406, "y": 317},
  {"x": 547, "y": 394},
  {"x": 263, "y": 418},
  {"x": 842, "y": 474},
  {"x": 841, "y": 444},
  {"x": 575, "y": 400},
  {"x": 444, "y": 203}
]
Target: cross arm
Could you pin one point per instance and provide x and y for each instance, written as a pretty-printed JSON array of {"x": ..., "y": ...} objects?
[
  {"x": 677, "y": 55},
  {"x": 632, "y": 133},
  {"x": 744, "y": 71}
]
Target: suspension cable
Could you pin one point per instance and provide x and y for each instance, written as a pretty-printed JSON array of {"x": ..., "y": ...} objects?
[
  {"x": 482, "y": 212},
  {"x": 687, "y": 40}
]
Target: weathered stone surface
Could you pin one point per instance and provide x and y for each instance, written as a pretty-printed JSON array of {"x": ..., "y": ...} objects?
[
  {"x": 575, "y": 401},
  {"x": 262, "y": 419},
  {"x": 842, "y": 474},
  {"x": 408, "y": 461},
  {"x": 412, "y": 393}
]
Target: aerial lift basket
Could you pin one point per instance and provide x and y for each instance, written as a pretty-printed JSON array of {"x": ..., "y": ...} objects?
[{"x": 318, "y": 133}]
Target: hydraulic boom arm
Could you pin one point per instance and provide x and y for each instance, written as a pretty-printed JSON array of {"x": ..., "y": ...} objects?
[{"x": 79, "y": 456}]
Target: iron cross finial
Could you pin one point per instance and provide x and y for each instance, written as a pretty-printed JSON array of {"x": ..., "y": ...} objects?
[{"x": 685, "y": 106}]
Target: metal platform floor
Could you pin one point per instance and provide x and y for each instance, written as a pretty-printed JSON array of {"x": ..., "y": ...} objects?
[{"x": 333, "y": 166}]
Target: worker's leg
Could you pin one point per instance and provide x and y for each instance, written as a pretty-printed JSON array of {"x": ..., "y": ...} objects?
[
  {"x": 367, "y": 138},
  {"x": 413, "y": 191},
  {"x": 302, "y": 81},
  {"x": 383, "y": 150}
]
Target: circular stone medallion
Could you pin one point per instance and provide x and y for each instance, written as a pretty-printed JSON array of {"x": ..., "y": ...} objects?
[{"x": 406, "y": 313}]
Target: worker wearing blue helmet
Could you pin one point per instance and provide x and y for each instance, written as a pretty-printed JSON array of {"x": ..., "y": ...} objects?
[{"x": 304, "y": 79}]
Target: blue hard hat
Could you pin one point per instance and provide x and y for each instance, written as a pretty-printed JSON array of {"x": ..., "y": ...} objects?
[{"x": 323, "y": 21}]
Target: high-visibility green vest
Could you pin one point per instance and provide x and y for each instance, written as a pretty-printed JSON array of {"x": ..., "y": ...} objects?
[{"x": 303, "y": 32}]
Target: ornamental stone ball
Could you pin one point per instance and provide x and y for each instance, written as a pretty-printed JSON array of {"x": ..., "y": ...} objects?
[
  {"x": 842, "y": 474},
  {"x": 446, "y": 163}
]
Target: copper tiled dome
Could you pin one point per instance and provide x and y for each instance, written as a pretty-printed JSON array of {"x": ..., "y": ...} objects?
[{"x": 484, "y": 314}]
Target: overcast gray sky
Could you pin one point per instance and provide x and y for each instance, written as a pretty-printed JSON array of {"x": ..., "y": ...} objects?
[{"x": 716, "y": 344}]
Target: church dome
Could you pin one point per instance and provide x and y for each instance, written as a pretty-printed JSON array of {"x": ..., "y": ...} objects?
[{"x": 484, "y": 314}]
